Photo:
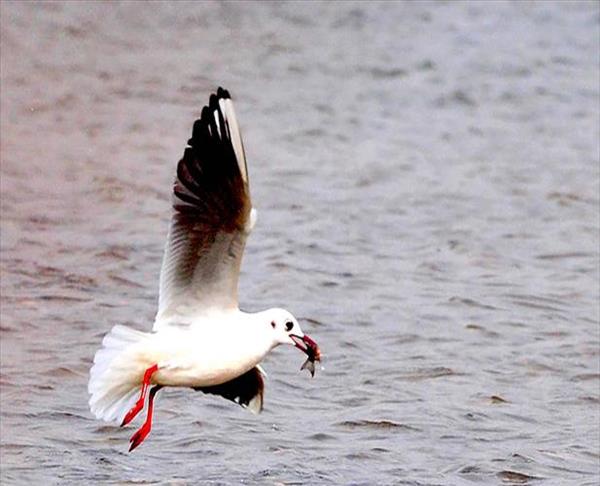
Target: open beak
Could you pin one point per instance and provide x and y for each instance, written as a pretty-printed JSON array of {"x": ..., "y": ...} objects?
[{"x": 306, "y": 344}]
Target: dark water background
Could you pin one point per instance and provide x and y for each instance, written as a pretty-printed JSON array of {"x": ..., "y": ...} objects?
[{"x": 427, "y": 181}]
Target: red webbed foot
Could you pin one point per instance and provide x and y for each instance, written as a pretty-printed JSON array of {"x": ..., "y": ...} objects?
[
  {"x": 144, "y": 430},
  {"x": 139, "y": 405},
  {"x": 139, "y": 436},
  {"x": 137, "y": 408}
]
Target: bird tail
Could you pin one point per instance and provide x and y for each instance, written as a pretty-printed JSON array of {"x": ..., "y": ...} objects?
[{"x": 114, "y": 377}]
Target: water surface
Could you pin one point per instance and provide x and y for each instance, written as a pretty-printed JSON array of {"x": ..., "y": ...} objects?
[{"x": 427, "y": 182}]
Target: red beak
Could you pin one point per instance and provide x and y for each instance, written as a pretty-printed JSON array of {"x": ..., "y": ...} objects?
[{"x": 306, "y": 344}]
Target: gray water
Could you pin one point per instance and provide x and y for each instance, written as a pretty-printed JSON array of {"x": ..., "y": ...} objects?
[{"x": 427, "y": 182}]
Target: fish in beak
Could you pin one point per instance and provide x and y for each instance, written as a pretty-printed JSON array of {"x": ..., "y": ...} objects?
[{"x": 306, "y": 344}]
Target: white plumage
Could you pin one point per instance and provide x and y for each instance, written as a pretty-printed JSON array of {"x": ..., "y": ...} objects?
[{"x": 200, "y": 338}]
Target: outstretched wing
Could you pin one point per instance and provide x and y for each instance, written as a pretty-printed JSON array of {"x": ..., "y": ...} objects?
[
  {"x": 246, "y": 390},
  {"x": 211, "y": 219}
]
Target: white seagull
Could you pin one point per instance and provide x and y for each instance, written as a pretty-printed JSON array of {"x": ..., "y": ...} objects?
[{"x": 200, "y": 338}]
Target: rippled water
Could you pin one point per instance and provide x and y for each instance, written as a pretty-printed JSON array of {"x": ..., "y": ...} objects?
[{"x": 427, "y": 181}]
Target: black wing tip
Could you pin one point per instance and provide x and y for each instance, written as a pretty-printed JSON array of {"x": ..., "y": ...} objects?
[
  {"x": 223, "y": 93},
  {"x": 213, "y": 104},
  {"x": 206, "y": 112},
  {"x": 206, "y": 117}
]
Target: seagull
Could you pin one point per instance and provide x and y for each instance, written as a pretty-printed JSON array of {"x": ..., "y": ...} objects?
[{"x": 200, "y": 338}]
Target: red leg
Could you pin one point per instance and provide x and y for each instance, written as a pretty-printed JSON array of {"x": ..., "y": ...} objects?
[
  {"x": 144, "y": 430},
  {"x": 139, "y": 405}
]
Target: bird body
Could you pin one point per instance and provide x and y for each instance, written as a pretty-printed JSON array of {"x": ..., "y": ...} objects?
[
  {"x": 200, "y": 338},
  {"x": 186, "y": 356}
]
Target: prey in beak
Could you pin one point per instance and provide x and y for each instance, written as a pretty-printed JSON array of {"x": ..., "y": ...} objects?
[{"x": 306, "y": 344}]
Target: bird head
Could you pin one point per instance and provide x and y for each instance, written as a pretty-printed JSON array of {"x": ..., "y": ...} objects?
[{"x": 286, "y": 330}]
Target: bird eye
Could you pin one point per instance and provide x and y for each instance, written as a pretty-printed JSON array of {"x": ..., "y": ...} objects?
[
  {"x": 273, "y": 324},
  {"x": 289, "y": 325}
]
